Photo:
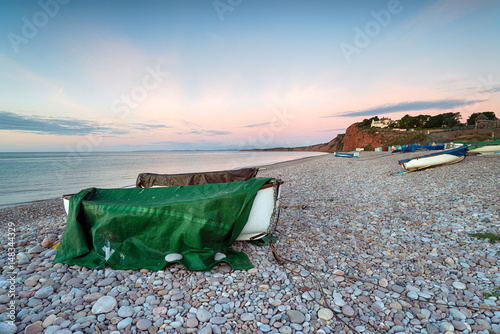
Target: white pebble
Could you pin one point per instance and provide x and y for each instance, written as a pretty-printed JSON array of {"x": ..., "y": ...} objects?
[
  {"x": 173, "y": 257},
  {"x": 219, "y": 256},
  {"x": 459, "y": 285}
]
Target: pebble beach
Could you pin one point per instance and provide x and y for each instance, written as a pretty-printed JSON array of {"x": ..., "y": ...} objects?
[{"x": 361, "y": 248}]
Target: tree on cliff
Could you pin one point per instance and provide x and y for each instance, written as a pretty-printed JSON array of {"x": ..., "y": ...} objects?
[
  {"x": 472, "y": 119},
  {"x": 446, "y": 120},
  {"x": 408, "y": 122}
]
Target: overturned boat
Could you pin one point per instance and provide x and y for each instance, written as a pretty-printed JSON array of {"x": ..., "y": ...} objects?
[
  {"x": 435, "y": 159},
  {"x": 156, "y": 225}
]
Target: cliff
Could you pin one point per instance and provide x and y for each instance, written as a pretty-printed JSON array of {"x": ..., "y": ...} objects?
[
  {"x": 353, "y": 137},
  {"x": 370, "y": 138}
]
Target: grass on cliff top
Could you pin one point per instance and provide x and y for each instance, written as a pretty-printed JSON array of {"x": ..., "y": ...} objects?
[{"x": 473, "y": 138}]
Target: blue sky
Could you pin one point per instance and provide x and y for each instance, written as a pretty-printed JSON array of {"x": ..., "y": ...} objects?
[{"x": 129, "y": 75}]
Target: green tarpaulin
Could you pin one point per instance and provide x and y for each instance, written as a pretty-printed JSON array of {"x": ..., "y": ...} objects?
[
  {"x": 476, "y": 144},
  {"x": 136, "y": 228}
]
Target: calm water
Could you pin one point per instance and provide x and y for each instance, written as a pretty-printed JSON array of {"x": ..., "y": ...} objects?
[{"x": 28, "y": 177}]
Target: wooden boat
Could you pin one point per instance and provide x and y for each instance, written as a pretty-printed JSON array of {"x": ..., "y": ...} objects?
[
  {"x": 436, "y": 159},
  {"x": 347, "y": 154},
  {"x": 263, "y": 213}
]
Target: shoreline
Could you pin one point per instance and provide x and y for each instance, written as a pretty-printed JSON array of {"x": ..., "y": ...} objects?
[
  {"x": 285, "y": 164},
  {"x": 9, "y": 206},
  {"x": 364, "y": 250}
]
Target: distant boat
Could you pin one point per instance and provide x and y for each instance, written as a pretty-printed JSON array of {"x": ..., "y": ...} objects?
[
  {"x": 347, "y": 154},
  {"x": 435, "y": 159},
  {"x": 481, "y": 147}
]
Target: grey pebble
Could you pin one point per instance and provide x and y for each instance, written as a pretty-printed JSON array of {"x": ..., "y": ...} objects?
[
  {"x": 144, "y": 324},
  {"x": 124, "y": 323},
  {"x": 412, "y": 295},
  {"x": 296, "y": 316},
  {"x": 64, "y": 331},
  {"x": 205, "y": 330},
  {"x": 203, "y": 315},
  {"x": 286, "y": 330},
  {"x": 44, "y": 292},
  {"x": 247, "y": 317},
  {"x": 265, "y": 328},
  {"x": 348, "y": 311},
  {"x": 125, "y": 311},
  {"x": 218, "y": 320}
]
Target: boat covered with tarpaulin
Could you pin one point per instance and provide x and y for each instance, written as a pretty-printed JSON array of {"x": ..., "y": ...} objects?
[
  {"x": 263, "y": 209},
  {"x": 435, "y": 159},
  {"x": 481, "y": 147},
  {"x": 139, "y": 228}
]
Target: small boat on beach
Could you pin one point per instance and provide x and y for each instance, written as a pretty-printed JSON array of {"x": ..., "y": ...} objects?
[
  {"x": 416, "y": 147},
  {"x": 155, "y": 225},
  {"x": 435, "y": 159},
  {"x": 483, "y": 147},
  {"x": 264, "y": 207},
  {"x": 347, "y": 154}
]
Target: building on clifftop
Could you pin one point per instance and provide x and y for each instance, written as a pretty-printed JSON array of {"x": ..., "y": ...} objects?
[
  {"x": 382, "y": 123},
  {"x": 482, "y": 122}
]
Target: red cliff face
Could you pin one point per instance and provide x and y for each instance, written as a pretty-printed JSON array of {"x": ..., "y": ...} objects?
[{"x": 355, "y": 137}]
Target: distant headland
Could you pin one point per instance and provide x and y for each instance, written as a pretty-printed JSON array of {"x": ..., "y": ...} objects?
[{"x": 375, "y": 132}]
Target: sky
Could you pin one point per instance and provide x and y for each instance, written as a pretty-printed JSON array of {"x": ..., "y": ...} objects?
[{"x": 83, "y": 76}]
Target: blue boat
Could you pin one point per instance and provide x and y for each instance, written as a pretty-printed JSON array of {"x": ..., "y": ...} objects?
[
  {"x": 415, "y": 147},
  {"x": 347, "y": 154}
]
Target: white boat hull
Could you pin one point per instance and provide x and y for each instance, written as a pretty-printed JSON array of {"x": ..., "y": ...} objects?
[
  {"x": 488, "y": 149},
  {"x": 260, "y": 219},
  {"x": 436, "y": 160},
  {"x": 261, "y": 215}
]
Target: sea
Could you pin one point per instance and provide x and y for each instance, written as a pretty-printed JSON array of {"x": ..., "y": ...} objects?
[{"x": 31, "y": 177}]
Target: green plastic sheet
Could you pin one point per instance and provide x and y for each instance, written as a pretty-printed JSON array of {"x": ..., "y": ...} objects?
[
  {"x": 476, "y": 144},
  {"x": 136, "y": 228}
]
